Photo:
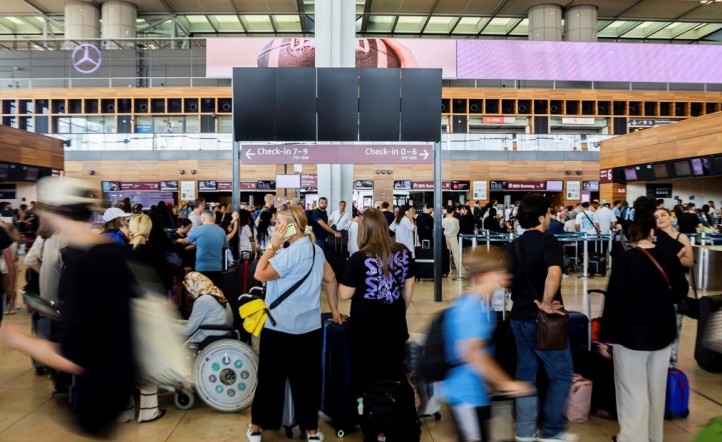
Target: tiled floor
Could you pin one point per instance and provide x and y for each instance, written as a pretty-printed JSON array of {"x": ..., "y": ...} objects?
[{"x": 28, "y": 413}]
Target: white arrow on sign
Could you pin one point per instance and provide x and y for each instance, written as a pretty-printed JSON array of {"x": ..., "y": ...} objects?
[
  {"x": 425, "y": 154},
  {"x": 249, "y": 154}
]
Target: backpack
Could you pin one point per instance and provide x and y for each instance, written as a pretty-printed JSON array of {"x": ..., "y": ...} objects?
[
  {"x": 389, "y": 413},
  {"x": 434, "y": 365}
]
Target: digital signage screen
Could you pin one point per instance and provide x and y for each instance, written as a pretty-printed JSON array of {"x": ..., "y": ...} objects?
[
  {"x": 701, "y": 166},
  {"x": 266, "y": 185},
  {"x": 288, "y": 181},
  {"x": 592, "y": 186},
  {"x": 717, "y": 165},
  {"x": 169, "y": 186},
  {"x": 402, "y": 184},
  {"x": 681, "y": 168},
  {"x": 630, "y": 173},
  {"x": 660, "y": 171},
  {"x": 110, "y": 186},
  {"x": 555, "y": 186},
  {"x": 207, "y": 185}
]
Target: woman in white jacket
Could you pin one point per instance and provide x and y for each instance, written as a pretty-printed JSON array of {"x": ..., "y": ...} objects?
[{"x": 405, "y": 228}]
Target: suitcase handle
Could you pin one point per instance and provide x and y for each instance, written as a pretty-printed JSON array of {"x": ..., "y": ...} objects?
[{"x": 590, "y": 292}]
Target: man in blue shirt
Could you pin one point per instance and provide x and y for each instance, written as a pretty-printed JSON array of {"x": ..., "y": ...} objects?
[
  {"x": 210, "y": 240},
  {"x": 319, "y": 223}
]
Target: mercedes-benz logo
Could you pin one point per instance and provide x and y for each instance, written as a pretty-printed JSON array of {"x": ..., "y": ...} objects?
[{"x": 86, "y": 58}]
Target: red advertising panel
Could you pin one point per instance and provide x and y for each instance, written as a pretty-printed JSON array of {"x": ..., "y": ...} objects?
[
  {"x": 224, "y": 186},
  {"x": 429, "y": 185},
  {"x": 249, "y": 185},
  {"x": 140, "y": 185},
  {"x": 526, "y": 185}
]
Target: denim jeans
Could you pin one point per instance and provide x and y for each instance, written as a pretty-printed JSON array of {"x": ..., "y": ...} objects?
[
  {"x": 321, "y": 243},
  {"x": 558, "y": 365}
]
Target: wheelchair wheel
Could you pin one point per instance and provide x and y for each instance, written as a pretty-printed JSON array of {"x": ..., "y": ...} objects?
[
  {"x": 184, "y": 399},
  {"x": 225, "y": 374}
]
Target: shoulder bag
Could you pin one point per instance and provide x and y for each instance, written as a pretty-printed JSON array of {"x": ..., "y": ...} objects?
[
  {"x": 552, "y": 332},
  {"x": 255, "y": 311}
]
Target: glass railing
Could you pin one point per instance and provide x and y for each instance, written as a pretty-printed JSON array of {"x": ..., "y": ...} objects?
[
  {"x": 523, "y": 142},
  {"x": 224, "y": 141}
]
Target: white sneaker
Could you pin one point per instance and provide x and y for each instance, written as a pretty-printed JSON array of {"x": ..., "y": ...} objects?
[
  {"x": 252, "y": 437},
  {"x": 318, "y": 437},
  {"x": 566, "y": 437}
]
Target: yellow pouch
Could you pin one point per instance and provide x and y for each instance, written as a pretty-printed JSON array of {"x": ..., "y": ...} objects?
[{"x": 254, "y": 314}]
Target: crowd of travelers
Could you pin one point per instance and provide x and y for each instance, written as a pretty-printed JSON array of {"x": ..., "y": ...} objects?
[{"x": 368, "y": 258}]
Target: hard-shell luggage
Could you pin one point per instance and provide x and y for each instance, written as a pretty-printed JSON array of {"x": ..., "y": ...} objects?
[
  {"x": 578, "y": 329},
  {"x": 389, "y": 414},
  {"x": 677, "y": 403},
  {"x": 428, "y": 392},
  {"x": 424, "y": 259},
  {"x": 597, "y": 264},
  {"x": 598, "y": 369},
  {"x": 337, "y": 401},
  {"x": 706, "y": 358}
]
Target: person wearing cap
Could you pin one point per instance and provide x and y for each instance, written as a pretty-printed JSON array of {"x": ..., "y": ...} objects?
[
  {"x": 116, "y": 225},
  {"x": 95, "y": 331},
  {"x": 468, "y": 331},
  {"x": 606, "y": 218}
]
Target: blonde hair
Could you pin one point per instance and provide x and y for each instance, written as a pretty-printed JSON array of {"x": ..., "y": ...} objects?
[
  {"x": 296, "y": 215},
  {"x": 139, "y": 226}
]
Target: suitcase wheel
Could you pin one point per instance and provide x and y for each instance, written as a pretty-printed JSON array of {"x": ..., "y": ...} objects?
[
  {"x": 340, "y": 433},
  {"x": 184, "y": 399},
  {"x": 437, "y": 416}
]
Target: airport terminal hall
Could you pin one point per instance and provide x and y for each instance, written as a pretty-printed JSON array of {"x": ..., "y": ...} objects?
[{"x": 361, "y": 220}]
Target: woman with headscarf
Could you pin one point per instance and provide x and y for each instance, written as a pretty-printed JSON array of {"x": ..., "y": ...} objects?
[{"x": 210, "y": 307}]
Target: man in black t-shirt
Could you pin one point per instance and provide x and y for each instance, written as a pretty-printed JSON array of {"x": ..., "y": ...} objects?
[
  {"x": 425, "y": 224},
  {"x": 688, "y": 221},
  {"x": 319, "y": 223},
  {"x": 536, "y": 264}
]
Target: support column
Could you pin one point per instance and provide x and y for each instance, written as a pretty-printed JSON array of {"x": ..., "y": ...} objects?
[
  {"x": 118, "y": 24},
  {"x": 335, "y": 47},
  {"x": 580, "y": 23},
  {"x": 82, "y": 21},
  {"x": 545, "y": 22}
]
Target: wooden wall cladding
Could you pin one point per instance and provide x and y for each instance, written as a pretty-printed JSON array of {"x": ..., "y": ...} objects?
[
  {"x": 19, "y": 146},
  {"x": 693, "y": 137}
]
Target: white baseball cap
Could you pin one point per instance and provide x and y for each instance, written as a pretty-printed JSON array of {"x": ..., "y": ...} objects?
[{"x": 113, "y": 213}]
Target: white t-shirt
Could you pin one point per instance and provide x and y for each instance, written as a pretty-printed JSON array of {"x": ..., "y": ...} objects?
[
  {"x": 353, "y": 238},
  {"x": 451, "y": 227},
  {"x": 195, "y": 219},
  {"x": 405, "y": 234},
  {"x": 342, "y": 221},
  {"x": 586, "y": 221},
  {"x": 605, "y": 218},
  {"x": 246, "y": 234}
]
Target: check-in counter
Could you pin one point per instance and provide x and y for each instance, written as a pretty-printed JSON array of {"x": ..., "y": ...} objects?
[{"x": 708, "y": 267}]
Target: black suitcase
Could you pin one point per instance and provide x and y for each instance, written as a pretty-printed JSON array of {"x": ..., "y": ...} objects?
[
  {"x": 597, "y": 264},
  {"x": 424, "y": 259},
  {"x": 707, "y": 359},
  {"x": 505, "y": 344},
  {"x": 337, "y": 401},
  {"x": 600, "y": 370}
]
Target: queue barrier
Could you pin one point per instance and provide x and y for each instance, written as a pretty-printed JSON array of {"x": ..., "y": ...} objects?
[{"x": 501, "y": 239}]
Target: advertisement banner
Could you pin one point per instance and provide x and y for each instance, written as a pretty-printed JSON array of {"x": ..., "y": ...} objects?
[
  {"x": 527, "y": 186},
  {"x": 249, "y": 185},
  {"x": 140, "y": 185},
  {"x": 223, "y": 54},
  {"x": 479, "y": 190},
  {"x": 429, "y": 185},
  {"x": 574, "y": 190},
  {"x": 188, "y": 190},
  {"x": 224, "y": 186},
  {"x": 497, "y": 185}
]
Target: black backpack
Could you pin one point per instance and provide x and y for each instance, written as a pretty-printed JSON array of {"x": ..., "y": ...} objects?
[
  {"x": 434, "y": 366},
  {"x": 389, "y": 413}
]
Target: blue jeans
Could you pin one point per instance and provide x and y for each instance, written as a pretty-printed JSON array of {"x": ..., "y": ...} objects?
[
  {"x": 321, "y": 243},
  {"x": 558, "y": 365}
]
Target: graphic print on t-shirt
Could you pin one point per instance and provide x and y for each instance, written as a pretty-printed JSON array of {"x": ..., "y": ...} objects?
[{"x": 385, "y": 288}]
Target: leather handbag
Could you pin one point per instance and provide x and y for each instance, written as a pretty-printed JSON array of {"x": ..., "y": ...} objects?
[{"x": 552, "y": 330}]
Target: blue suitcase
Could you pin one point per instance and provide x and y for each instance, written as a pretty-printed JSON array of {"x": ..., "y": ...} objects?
[
  {"x": 677, "y": 403},
  {"x": 578, "y": 329}
]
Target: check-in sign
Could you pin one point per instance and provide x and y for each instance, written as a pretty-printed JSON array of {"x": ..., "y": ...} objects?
[{"x": 337, "y": 154}]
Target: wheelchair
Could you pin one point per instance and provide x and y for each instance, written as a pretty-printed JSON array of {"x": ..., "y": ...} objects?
[{"x": 224, "y": 373}]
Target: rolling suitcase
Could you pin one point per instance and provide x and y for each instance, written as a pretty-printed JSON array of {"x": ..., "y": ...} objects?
[
  {"x": 428, "y": 392},
  {"x": 337, "y": 401},
  {"x": 597, "y": 264},
  {"x": 598, "y": 369},
  {"x": 677, "y": 403},
  {"x": 424, "y": 260},
  {"x": 706, "y": 358},
  {"x": 578, "y": 329},
  {"x": 504, "y": 342}
]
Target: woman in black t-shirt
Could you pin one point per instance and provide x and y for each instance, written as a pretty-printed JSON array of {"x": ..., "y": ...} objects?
[{"x": 379, "y": 280}]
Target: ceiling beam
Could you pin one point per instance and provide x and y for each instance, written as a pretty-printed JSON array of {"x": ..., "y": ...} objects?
[
  {"x": 514, "y": 26},
  {"x": 697, "y": 6},
  {"x": 34, "y": 25},
  {"x": 627, "y": 9},
  {"x": 167, "y": 7},
  {"x": 35, "y": 7},
  {"x": 273, "y": 24},
  {"x": 302, "y": 16},
  {"x": 365, "y": 18},
  {"x": 453, "y": 28},
  {"x": 214, "y": 27}
]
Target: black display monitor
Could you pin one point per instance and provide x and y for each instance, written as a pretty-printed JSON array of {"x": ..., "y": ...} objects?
[
  {"x": 718, "y": 165},
  {"x": 630, "y": 173},
  {"x": 701, "y": 166},
  {"x": 645, "y": 172},
  {"x": 682, "y": 169},
  {"x": 660, "y": 170}
]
